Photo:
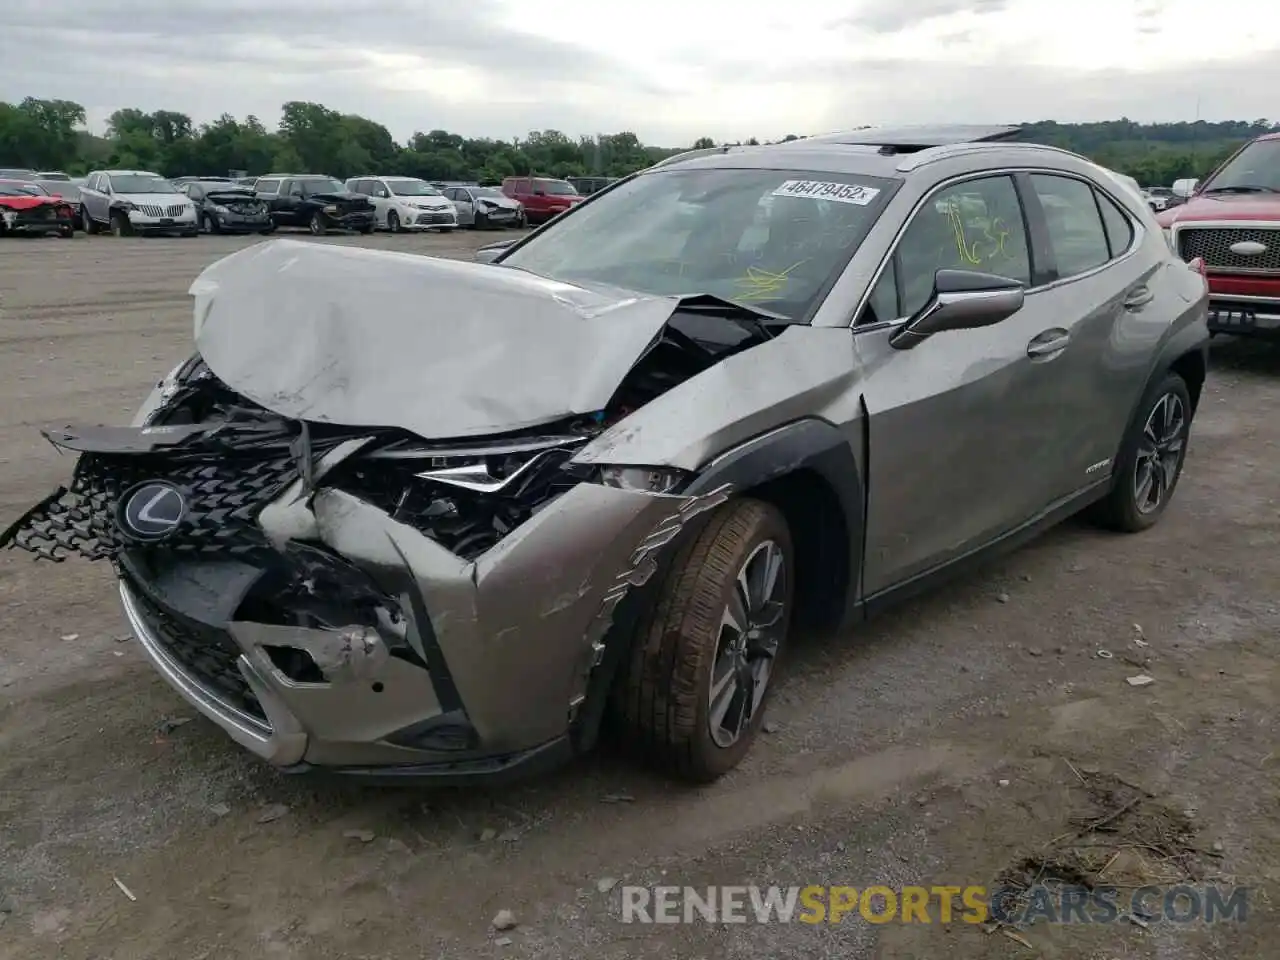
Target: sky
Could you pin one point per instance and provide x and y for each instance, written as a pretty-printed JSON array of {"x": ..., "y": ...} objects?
[{"x": 668, "y": 70}]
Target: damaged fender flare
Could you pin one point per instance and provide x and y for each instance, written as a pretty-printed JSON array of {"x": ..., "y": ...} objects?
[
  {"x": 812, "y": 445},
  {"x": 817, "y": 447}
]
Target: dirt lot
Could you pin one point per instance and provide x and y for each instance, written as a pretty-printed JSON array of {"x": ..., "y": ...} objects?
[{"x": 950, "y": 742}]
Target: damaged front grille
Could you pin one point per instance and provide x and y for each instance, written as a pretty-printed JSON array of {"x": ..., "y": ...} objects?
[{"x": 222, "y": 498}]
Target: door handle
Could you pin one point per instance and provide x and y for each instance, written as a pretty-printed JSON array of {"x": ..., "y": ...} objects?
[
  {"x": 1138, "y": 298},
  {"x": 1048, "y": 344}
]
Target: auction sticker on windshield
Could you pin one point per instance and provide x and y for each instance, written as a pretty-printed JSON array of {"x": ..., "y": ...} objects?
[{"x": 824, "y": 190}]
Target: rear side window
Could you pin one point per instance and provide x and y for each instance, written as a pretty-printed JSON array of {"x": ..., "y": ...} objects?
[
  {"x": 1076, "y": 232},
  {"x": 267, "y": 186},
  {"x": 1118, "y": 225}
]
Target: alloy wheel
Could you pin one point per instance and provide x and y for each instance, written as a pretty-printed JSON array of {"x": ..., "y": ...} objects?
[
  {"x": 751, "y": 630},
  {"x": 1159, "y": 453}
]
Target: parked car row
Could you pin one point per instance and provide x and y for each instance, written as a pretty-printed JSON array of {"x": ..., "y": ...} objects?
[{"x": 125, "y": 202}]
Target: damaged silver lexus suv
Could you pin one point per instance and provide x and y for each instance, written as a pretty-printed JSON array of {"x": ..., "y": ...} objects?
[{"x": 401, "y": 516}]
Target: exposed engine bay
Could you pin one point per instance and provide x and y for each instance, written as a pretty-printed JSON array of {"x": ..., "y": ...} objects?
[{"x": 466, "y": 495}]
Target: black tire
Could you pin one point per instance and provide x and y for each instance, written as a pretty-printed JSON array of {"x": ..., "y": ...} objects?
[
  {"x": 1125, "y": 508},
  {"x": 393, "y": 222},
  {"x": 209, "y": 223},
  {"x": 482, "y": 221},
  {"x": 87, "y": 222},
  {"x": 367, "y": 230},
  {"x": 446, "y": 229},
  {"x": 268, "y": 231},
  {"x": 67, "y": 231},
  {"x": 316, "y": 225},
  {"x": 663, "y": 699},
  {"x": 120, "y": 225}
]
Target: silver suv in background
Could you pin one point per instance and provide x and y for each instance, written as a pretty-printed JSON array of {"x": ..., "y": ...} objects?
[
  {"x": 130, "y": 202},
  {"x": 406, "y": 203}
]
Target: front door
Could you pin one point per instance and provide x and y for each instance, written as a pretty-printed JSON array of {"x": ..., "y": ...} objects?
[{"x": 950, "y": 437}]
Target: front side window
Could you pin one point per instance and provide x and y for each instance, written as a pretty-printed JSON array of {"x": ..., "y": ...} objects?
[
  {"x": 1076, "y": 233},
  {"x": 411, "y": 188},
  {"x": 769, "y": 237},
  {"x": 128, "y": 183},
  {"x": 556, "y": 188},
  {"x": 976, "y": 225}
]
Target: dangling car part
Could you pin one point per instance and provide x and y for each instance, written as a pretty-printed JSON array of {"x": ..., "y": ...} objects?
[{"x": 401, "y": 516}]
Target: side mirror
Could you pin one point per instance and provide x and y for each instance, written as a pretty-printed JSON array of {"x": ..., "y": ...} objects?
[
  {"x": 490, "y": 251},
  {"x": 1185, "y": 188},
  {"x": 961, "y": 301}
]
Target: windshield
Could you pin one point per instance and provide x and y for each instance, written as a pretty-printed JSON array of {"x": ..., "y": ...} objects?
[
  {"x": 411, "y": 188},
  {"x": 141, "y": 183},
  {"x": 53, "y": 176},
  {"x": 21, "y": 190},
  {"x": 1257, "y": 165},
  {"x": 322, "y": 185},
  {"x": 770, "y": 237},
  {"x": 488, "y": 192},
  {"x": 16, "y": 174},
  {"x": 221, "y": 186},
  {"x": 556, "y": 188}
]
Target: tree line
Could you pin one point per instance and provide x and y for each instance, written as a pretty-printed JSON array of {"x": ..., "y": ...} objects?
[{"x": 310, "y": 137}]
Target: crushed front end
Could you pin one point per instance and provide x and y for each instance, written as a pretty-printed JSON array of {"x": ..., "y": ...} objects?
[{"x": 356, "y": 598}]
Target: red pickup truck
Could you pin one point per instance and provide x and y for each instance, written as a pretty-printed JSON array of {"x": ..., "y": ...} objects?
[
  {"x": 542, "y": 197},
  {"x": 1231, "y": 220}
]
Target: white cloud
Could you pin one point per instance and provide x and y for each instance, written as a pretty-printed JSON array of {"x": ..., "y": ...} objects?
[{"x": 671, "y": 70}]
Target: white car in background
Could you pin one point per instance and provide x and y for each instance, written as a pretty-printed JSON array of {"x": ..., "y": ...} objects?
[{"x": 406, "y": 203}]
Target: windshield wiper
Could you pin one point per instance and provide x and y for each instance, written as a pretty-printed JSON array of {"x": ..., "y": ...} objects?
[{"x": 1242, "y": 188}]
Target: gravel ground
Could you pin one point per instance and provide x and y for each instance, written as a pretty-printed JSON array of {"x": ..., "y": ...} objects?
[{"x": 947, "y": 742}]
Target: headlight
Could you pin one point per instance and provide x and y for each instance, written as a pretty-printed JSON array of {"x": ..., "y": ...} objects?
[
  {"x": 331, "y": 208},
  {"x": 219, "y": 208},
  {"x": 647, "y": 479}
]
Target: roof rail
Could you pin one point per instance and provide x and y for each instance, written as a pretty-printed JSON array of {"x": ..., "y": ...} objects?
[
  {"x": 916, "y": 160},
  {"x": 913, "y": 139}
]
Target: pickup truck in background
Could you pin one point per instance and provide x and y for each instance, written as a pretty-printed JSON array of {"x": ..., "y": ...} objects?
[
  {"x": 314, "y": 201},
  {"x": 1231, "y": 220}
]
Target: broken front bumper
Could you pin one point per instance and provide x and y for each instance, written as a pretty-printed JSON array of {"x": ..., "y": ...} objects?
[{"x": 509, "y": 640}]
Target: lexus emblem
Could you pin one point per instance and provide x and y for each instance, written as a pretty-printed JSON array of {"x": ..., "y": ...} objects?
[
  {"x": 151, "y": 511},
  {"x": 1248, "y": 248}
]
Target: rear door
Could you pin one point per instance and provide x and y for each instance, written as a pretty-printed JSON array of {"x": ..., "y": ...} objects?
[
  {"x": 1100, "y": 284},
  {"x": 950, "y": 438}
]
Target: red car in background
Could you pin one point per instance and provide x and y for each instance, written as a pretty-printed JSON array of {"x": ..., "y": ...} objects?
[
  {"x": 27, "y": 207},
  {"x": 542, "y": 197}
]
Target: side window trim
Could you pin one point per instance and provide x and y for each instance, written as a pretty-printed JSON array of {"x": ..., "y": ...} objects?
[{"x": 1044, "y": 263}]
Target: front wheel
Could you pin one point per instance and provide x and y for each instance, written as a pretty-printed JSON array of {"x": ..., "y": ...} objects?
[
  {"x": 210, "y": 224},
  {"x": 1150, "y": 460},
  {"x": 316, "y": 225},
  {"x": 393, "y": 222},
  {"x": 703, "y": 657},
  {"x": 482, "y": 221},
  {"x": 120, "y": 225},
  {"x": 366, "y": 230},
  {"x": 67, "y": 230}
]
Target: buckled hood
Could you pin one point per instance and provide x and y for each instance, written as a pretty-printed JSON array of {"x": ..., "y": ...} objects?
[{"x": 441, "y": 348}]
